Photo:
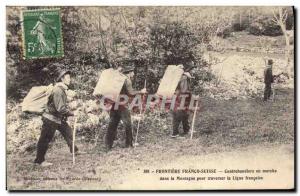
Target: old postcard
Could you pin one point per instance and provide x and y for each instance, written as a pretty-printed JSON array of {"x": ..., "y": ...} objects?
[{"x": 150, "y": 98}]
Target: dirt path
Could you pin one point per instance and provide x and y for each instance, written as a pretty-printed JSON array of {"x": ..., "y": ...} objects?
[
  {"x": 279, "y": 158},
  {"x": 123, "y": 169}
]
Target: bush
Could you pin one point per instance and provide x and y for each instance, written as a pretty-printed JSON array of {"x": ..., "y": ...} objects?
[
  {"x": 265, "y": 26},
  {"x": 139, "y": 40},
  {"x": 225, "y": 33},
  {"x": 241, "y": 22}
]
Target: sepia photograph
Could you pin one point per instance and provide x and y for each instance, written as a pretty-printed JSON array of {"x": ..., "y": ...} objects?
[{"x": 150, "y": 98}]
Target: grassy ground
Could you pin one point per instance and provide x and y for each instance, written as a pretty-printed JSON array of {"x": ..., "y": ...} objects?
[{"x": 221, "y": 127}]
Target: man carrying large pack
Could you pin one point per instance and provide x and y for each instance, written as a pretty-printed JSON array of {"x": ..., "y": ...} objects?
[
  {"x": 181, "y": 115},
  {"x": 55, "y": 117},
  {"x": 122, "y": 112}
]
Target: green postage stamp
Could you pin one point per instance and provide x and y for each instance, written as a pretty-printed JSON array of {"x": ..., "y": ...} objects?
[{"x": 42, "y": 34}]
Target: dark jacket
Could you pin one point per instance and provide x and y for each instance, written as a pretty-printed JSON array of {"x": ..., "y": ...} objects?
[
  {"x": 183, "y": 85},
  {"x": 268, "y": 75},
  {"x": 183, "y": 88},
  {"x": 128, "y": 90},
  {"x": 57, "y": 108}
]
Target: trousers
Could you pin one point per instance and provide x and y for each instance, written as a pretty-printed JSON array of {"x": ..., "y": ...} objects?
[
  {"x": 47, "y": 133},
  {"x": 180, "y": 116},
  {"x": 267, "y": 92},
  {"x": 115, "y": 117}
]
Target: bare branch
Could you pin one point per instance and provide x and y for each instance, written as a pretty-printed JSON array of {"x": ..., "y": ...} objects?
[
  {"x": 285, "y": 14},
  {"x": 280, "y": 13},
  {"x": 276, "y": 19}
]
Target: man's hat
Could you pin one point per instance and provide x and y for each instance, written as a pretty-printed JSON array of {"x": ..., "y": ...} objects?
[
  {"x": 189, "y": 65},
  {"x": 270, "y": 61},
  {"x": 61, "y": 73},
  {"x": 127, "y": 70}
]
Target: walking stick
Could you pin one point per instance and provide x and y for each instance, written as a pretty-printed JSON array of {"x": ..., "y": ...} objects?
[
  {"x": 141, "y": 114},
  {"x": 193, "y": 122},
  {"x": 137, "y": 131},
  {"x": 73, "y": 142}
]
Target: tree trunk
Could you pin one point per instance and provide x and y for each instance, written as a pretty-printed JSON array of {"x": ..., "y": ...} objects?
[
  {"x": 287, "y": 50},
  {"x": 280, "y": 18}
]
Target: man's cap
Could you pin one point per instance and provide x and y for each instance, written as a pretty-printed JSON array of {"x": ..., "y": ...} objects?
[
  {"x": 188, "y": 65},
  {"x": 61, "y": 73},
  {"x": 127, "y": 70}
]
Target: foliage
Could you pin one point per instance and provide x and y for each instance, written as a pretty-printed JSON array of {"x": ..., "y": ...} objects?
[
  {"x": 241, "y": 22},
  {"x": 147, "y": 38},
  {"x": 96, "y": 38},
  {"x": 265, "y": 26}
]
